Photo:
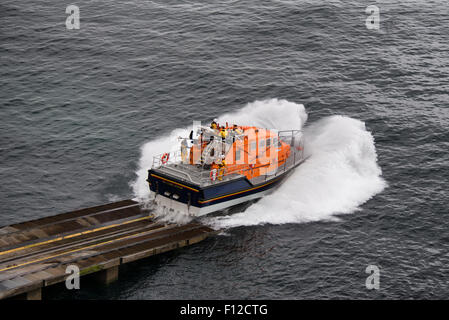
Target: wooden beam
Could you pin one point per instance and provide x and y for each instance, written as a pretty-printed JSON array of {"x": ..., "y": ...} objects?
[{"x": 107, "y": 276}]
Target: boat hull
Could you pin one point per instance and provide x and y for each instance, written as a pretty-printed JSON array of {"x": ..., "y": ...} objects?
[{"x": 178, "y": 195}]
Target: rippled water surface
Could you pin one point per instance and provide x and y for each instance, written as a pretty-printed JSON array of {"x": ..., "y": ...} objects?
[{"x": 78, "y": 107}]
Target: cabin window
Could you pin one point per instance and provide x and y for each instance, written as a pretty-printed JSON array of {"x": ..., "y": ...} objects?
[
  {"x": 237, "y": 155},
  {"x": 268, "y": 143},
  {"x": 253, "y": 146},
  {"x": 275, "y": 142},
  {"x": 262, "y": 144}
]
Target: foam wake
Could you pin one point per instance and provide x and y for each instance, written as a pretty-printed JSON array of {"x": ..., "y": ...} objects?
[{"x": 340, "y": 174}]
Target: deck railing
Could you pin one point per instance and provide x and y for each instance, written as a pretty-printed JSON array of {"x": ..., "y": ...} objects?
[{"x": 177, "y": 163}]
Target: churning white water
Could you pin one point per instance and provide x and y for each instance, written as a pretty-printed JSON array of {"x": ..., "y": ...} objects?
[{"x": 340, "y": 174}]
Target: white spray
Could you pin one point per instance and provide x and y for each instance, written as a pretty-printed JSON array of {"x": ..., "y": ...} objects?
[{"x": 340, "y": 174}]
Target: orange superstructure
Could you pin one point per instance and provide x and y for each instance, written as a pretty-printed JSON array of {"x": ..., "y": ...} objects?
[
  {"x": 249, "y": 151},
  {"x": 222, "y": 166}
]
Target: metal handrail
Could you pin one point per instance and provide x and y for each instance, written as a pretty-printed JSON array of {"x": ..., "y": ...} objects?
[
  {"x": 203, "y": 177},
  {"x": 181, "y": 172}
]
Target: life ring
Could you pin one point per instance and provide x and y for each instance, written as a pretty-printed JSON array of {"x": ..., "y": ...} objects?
[
  {"x": 164, "y": 158},
  {"x": 213, "y": 174}
]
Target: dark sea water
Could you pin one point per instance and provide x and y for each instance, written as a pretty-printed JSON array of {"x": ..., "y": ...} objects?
[{"x": 76, "y": 106}]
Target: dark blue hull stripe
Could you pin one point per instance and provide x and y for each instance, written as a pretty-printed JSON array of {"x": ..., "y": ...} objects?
[{"x": 211, "y": 195}]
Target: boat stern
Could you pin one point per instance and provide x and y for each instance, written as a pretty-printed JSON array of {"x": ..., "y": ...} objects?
[{"x": 173, "y": 194}]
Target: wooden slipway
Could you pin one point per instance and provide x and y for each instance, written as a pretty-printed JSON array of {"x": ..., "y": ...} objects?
[{"x": 35, "y": 254}]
